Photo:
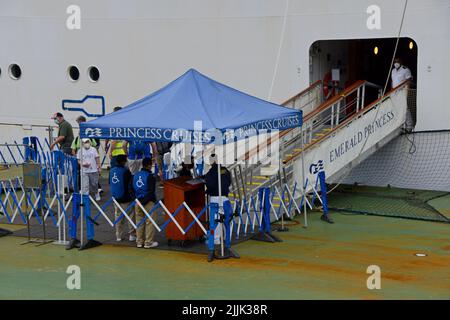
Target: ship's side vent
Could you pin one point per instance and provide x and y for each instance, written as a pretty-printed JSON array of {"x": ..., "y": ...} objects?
[
  {"x": 15, "y": 72},
  {"x": 74, "y": 73},
  {"x": 93, "y": 73}
]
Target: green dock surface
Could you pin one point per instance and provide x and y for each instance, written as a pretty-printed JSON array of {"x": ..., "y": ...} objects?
[{"x": 323, "y": 261}]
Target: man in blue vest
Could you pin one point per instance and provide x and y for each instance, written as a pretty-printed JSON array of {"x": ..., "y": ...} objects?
[
  {"x": 120, "y": 182},
  {"x": 144, "y": 184}
]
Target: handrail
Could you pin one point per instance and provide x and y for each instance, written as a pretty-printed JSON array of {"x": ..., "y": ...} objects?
[
  {"x": 348, "y": 91},
  {"x": 320, "y": 108},
  {"x": 346, "y": 121},
  {"x": 246, "y": 157},
  {"x": 302, "y": 92}
]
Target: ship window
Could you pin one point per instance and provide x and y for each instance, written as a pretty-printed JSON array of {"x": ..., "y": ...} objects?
[
  {"x": 74, "y": 73},
  {"x": 14, "y": 71},
  {"x": 0, "y": 72},
  {"x": 93, "y": 73}
]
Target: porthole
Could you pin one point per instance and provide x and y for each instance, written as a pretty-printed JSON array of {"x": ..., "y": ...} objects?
[
  {"x": 93, "y": 74},
  {"x": 15, "y": 72},
  {"x": 74, "y": 73}
]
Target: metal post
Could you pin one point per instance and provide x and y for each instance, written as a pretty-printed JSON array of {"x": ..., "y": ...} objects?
[
  {"x": 50, "y": 134},
  {"x": 81, "y": 195},
  {"x": 280, "y": 182},
  {"x": 357, "y": 98},
  {"x": 238, "y": 188},
  {"x": 61, "y": 194},
  {"x": 338, "y": 111},
  {"x": 58, "y": 194},
  {"x": 64, "y": 204},
  {"x": 219, "y": 179},
  {"x": 303, "y": 178},
  {"x": 363, "y": 96},
  {"x": 332, "y": 116}
]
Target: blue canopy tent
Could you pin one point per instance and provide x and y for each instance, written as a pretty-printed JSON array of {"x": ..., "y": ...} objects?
[{"x": 172, "y": 114}]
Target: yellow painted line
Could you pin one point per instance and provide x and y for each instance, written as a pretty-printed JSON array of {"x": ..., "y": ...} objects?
[
  {"x": 298, "y": 149},
  {"x": 261, "y": 177},
  {"x": 327, "y": 129},
  {"x": 320, "y": 134}
]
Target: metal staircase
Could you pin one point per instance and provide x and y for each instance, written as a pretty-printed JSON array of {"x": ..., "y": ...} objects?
[{"x": 335, "y": 136}]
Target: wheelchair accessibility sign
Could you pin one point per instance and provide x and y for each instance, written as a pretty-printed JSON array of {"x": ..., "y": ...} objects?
[
  {"x": 115, "y": 179},
  {"x": 139, "y": 183}
]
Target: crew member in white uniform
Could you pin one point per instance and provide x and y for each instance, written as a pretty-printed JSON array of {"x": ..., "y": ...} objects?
[{"x": 401, "y": 73}]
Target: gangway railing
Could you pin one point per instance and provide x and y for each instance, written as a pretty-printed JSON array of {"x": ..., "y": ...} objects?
[
  {"x": 324, "y": 121},
  {"x": 306, "y": 100},
  {"x": 337, "y": 114}
]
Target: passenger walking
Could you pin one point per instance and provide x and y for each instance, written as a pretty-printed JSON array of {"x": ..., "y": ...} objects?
[
  {"x": 120, "y": 182},
  {"x": 65, "y": 134},
  {"x": 144, "y": 184},
  {"x": 76, "y": 145},
  {"x": 117, "y": 147},
  {"x": 162, "y": 148},
  {"x": 90, "y": 161},
  {"x": 138, "y": 150}
]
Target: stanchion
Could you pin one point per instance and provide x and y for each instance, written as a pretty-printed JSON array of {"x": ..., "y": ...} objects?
[
  {"x": 323, "y": 190},
  {"x": 60, "y": 187},
  {"x": 265, "y": 233}
]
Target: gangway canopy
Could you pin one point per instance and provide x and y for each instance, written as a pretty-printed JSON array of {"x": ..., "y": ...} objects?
[{"x": 193, "y": 108}]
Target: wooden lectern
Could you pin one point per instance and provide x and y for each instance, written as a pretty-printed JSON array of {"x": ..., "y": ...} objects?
[{"x": 175, "y": 192}]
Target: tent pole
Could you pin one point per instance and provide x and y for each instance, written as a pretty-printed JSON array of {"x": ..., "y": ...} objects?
[
  {"x": 81, "y": 195},
  {"x": 219, "y": 181}
]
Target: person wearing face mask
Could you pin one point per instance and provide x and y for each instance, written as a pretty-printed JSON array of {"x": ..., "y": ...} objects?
[
  {"x": 91, "y": 167},
  {"x": 65, "y": 134},
  {"x": 400, "y": 74},
  {"x": 76, "y": 145},
  {"x": 89, "y": 160}
]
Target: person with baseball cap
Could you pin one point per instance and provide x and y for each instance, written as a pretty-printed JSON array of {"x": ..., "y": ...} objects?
[{"x": 65, "y": 134}]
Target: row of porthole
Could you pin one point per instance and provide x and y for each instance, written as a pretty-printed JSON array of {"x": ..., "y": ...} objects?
[
  {"x": 15, "y": 72},
  {"x": 74, "y": 73}
]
